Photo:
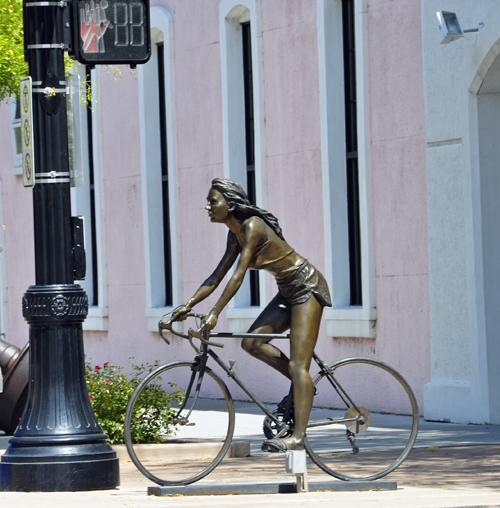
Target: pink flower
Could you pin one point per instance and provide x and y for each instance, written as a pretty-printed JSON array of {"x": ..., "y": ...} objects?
[
  {"x": 90, "y": 398},
  {"x": 105, "y": 363},
  {"x": 97, "y": 367},
  {"x": 106, "y": 381}
]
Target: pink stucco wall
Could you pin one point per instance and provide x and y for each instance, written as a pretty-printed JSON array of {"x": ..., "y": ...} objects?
[
  {"x": 293, "y": 140},
  {"x": 294, "y": 183},
  {"x": 122, "y": 211},
  {"x": 399, "y": 188}
]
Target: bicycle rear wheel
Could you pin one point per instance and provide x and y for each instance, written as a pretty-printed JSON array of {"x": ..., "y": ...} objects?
[
  {"x": 375, "y": 445},
  {"x": 179, "y": 425}
]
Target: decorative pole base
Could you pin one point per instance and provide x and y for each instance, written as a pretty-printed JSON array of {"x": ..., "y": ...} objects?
[
  {"x": 58, "y": 444},
  {"x": 59, "y": 468}
]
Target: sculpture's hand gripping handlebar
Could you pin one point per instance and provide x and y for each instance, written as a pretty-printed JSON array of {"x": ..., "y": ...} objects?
[{"x": 200, "y": 333}]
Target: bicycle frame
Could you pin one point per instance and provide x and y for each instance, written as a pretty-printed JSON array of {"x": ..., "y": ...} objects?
[{"x": 202, "y": 359}]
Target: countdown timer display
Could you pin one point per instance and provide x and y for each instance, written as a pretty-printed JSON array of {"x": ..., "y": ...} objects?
[{"x": 111, "y": 31}]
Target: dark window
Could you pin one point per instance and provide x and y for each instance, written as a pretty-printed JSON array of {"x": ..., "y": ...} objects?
[
  {"x": 250, "y": 141},
  {"x": 93, "y": 234},
  {"x": 352, "y": 152},
  {"x": 167, "y": 248}
]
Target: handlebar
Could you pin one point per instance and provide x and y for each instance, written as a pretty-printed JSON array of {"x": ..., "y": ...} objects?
[
  {"x": 203, "y": 335},
  {"x": 200, "y": 333}
]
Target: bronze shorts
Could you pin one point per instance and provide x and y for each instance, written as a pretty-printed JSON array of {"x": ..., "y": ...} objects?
[{"x": 305, "y": 281}]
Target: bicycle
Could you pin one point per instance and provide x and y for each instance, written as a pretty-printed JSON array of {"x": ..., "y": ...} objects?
[{"x": 348, "y": 443}]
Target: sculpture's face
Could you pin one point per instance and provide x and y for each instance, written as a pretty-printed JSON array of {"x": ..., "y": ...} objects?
[{"x": 217, "y": 207}]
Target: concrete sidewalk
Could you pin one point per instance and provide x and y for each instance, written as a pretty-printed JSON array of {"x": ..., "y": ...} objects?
[{"x": 451, "y": 466}]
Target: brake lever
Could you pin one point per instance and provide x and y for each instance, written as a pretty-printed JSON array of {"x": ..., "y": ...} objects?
[
  {"x": 165, "y": 326},
  {"x": 168, "y": 326}
]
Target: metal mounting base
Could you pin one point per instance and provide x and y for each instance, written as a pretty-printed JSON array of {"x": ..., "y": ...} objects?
[
  {"x": 296, "y": 463},
  {"x": 262, "y": 486}
]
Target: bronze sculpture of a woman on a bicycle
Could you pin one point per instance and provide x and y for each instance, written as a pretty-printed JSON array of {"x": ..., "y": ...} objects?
[{"x": 256, "y": 237}]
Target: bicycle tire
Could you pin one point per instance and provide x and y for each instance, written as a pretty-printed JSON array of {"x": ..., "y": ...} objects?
[
  {"x": 187, "y": 450},
  {"x": 381, "y": 449}
]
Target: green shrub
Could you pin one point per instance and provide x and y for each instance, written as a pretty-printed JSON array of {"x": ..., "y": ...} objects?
[{"x": 109, "y": 392}]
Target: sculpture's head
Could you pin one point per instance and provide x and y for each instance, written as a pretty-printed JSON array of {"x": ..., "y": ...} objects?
[
  {"x": 240, "y": 206},
  {"x": 232, "y": 192}
]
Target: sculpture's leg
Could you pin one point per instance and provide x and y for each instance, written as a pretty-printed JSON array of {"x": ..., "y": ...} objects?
[
  {"x": 275, "y": 318},
  {"x": 305, "y": 323}
]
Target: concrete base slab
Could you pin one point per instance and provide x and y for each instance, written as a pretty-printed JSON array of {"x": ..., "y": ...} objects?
[
  {"x": 254, "y": 487},
  {"x": 186, "y": 450}
]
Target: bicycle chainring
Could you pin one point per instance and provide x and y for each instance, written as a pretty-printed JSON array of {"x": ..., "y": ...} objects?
[{"x": 270, "y": 428}]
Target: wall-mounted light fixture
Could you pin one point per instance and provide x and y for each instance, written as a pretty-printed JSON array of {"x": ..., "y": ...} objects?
[{"x": 449, "y": 25}]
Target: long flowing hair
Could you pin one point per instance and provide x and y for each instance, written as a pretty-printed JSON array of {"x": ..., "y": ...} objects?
[{"x": 235, "y": 195}]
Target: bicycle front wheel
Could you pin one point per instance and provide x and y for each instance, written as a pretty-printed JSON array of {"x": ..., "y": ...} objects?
[
  {"x": 179, "y": 423},
  {"x": 355, "y": 439}
]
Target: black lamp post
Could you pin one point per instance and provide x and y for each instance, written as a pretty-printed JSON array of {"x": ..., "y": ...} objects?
[{"x": 59, "y": 444}]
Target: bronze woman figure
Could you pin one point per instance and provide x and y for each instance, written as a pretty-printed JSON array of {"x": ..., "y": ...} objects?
[{"x": 256, "y": 237}]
